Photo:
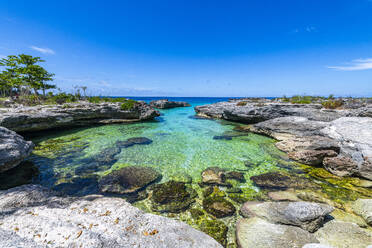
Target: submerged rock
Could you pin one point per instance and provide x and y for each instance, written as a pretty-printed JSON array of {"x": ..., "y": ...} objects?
[
  {"x": 213, "y": 176},
  {"x": 363, "y": 208},
  {"x": 13, "y": 149},
  {"x": 276, "y": 180},
  {"x": 309, "y": 216},
  {"x": 166, "y": 104},
  {"x": 222, "y": 137},
  {"x": 133, "y": 141},
  {"x": 256, "y": 232},
  {"x": 344, "y": 235},
  {"x": 172, "y": 197},
  {"x": 214, "y": 228},
  {"x": 128, "y": 179},
  {"x": 35, "y": 217},
  {"x": 218, "y": 206}
]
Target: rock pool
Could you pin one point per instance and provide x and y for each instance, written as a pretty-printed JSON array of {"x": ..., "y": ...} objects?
[{"x": 180, "y": 147}]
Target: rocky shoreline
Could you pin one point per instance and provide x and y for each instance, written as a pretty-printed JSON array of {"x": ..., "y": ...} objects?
[
  {"x": 39, "y": 118},
  {"x": 290, "y": 210}
]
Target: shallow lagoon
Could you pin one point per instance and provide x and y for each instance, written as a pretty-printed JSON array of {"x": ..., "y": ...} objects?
[{"x": 182, "y": 147}]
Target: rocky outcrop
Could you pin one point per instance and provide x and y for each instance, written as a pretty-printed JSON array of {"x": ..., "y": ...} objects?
[
  {"x": 261, "y": 110},
  {"x": 26, "y": 119},
  {"x": 166, "y": 104},
  {"x": 342, "y": 146},
  {"x": 13, "y": 149},
  {"x": 363, "y": 208},
  {"x": 307, "y": 215},
  {"x": 32, "y": 216},
  {"x": 256, "y": 232}
]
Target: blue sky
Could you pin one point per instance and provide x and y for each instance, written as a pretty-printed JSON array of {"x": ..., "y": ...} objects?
[{"x": 197, "y": 48}]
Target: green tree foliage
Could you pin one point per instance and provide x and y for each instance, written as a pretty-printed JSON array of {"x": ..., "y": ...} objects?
[{"x": 22, "y": 71}]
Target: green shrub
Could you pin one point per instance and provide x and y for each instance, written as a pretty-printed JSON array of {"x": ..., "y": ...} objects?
[
  {"x": 241, "y": 103},
  {"x": 332, "y": 104},
  {"x": 128, "y": 104}
]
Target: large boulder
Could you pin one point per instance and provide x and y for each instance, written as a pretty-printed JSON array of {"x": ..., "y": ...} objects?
[
  {"x": 307, "y": 215},
  {"x": 363, "y": 207},
  {"x": 26, "y": 119},
  {"x": 128, "y": 179},
  {"x": 13, "y": 149},
  {"x": 256, "y": 232},
  {"x": 35, "y": 217},
  {"x": 166, "y": 104},
  {"x": 344, "y": 235}
]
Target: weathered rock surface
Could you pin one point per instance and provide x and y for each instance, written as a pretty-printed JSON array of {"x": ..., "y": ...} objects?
[
  {"x": 166, "y": 104},
  {"x": 363, "y": 207},
  {"x": 25, "y": 119},
  {"x": 13, "y": 149},
  {"x": 343, "y": 146},
  {"x": 254, "y": 112},
  {"x": 307, "y": 215},
  {"x": 256, "y": 232},
  {"x": 344, "y": 235},
  {"x": 32, "y": 216},
  {"x": 128, "y": 179},
  {"x": 276, "y": 180}
]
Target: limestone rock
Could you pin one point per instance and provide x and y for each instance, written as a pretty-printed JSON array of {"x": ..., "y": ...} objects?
[
  {"x": 256, "y": 232},
  {"x": 27, "y": 119},
  {"x": 13, "y": 149},
  {"x": 363, "y": 207},
  {"x": 166, "y": 104},
  {"x": 344, "y": 235},
  {"x": 307, "y": 215},
  {"x": 36, "y": 218}
]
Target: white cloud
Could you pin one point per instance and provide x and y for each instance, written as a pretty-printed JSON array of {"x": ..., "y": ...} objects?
[
  {"x": 355, "y": 65},
  {"x": 310, "y": 29},
  {"x": 42, "y": 50}
]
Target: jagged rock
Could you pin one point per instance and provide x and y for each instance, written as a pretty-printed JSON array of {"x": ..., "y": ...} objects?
[
  {"x": 252, "y": 112},
  {"x": 344, "y": 235},
  {"x": 26, "y": 119},
  {"x": 32, "y": 216},
  {"x": 341, "y": 166},
  {"x": 343, "y": 146},
  {"x": 218, "y": 206},
  {"x": 363, "y": 207},
  {"x": 307, "y": 215},
  {"x": 128, "y": 179},
  {"x": 256, "y": 232},
  {"x": 13, "y": 149},
  {"x": 172, "y": 197},
  {"x": 166, "y": 104},
  {"x": 133, "y": 141}
]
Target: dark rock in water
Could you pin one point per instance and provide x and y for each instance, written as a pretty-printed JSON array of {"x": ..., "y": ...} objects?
[
  {"x": 166, "y": 104},
  {"x": 276, "y": 180},
  {"x": 222, "y": 137},
  {"x": 128, "y": 180},
  {"x": 216, "y": 229},
  {"x": 136, "y": 196},
  {"x": 133, "y": 141},
  {"x": 218, "y": 206},
  {"x": 172, "y": 197},
  {"x": 234, "y": 190},
  {"x": 307, "y": 215},
  {"x": 249, "y": 164},
  {"x": 19, "y": 175},
  {"x": 79, "y": 186},
  {"x": 239, "y": 176},
  {"x": 92, "y": 167}
]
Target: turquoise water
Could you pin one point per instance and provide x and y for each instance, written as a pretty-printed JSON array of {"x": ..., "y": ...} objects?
[{"x": 182, "y": 145}]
